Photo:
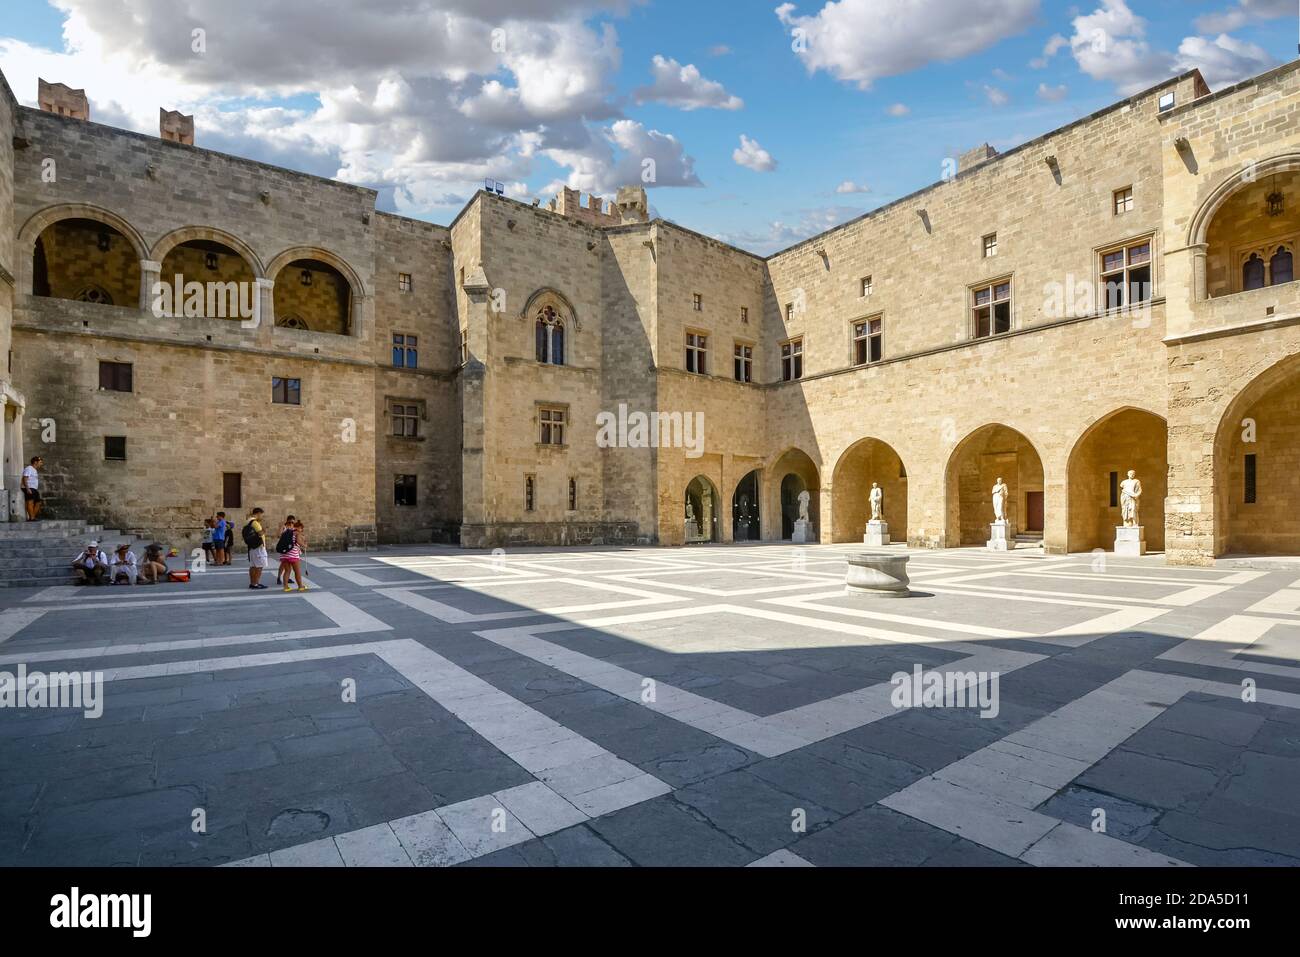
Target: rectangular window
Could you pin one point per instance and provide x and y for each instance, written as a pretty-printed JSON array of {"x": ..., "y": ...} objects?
[
  {"x": 1168, "y": 101},
  {"x": 1126, "y": 275},
  {"x": 1124, "y": 200},
  {"x": 406, "y": 420},
  {"x": 406, "y": 351},
  {"x": 792, "y": 360},
  {"x": 552, "y": 421},
  {"x": 286, "y": 391},
  {"x": 115, "y": 448},
  {"x": 992, "y": 309},
  {"x": 464, "y": 346},
  {"x": 868, "y": 341},
  {"x": 1250, "y": 472},
  {"x": 744, "y": 314},
  {"x": 698, "y": 302},
  {"x": 530, "y": 492},
  {"x": 115, "y": 376},
  {"x": 573, "y": 494},
  {"x": 404, "y": 490},
  {"x": 789, "y": 312},
  {"x": 697, "y": 349},
  {"x": 1114, "y": 490},
  {"x": 744, "y": 362},
  {"x": 404, "y": 281},
  {"x": 990, "y": 245},
  {"x": 232, "y": 490},
  {"x": 867, "y": 286}
]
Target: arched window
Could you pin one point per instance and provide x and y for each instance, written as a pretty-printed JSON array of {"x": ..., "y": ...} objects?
[
  {"x": 1281, "y": 267},
  {"x": 1252, "y": 273},
  {"x": 291, "y": 322},
  {"x": 96, "y": 294},
  {"x": 550, "y": 337}
]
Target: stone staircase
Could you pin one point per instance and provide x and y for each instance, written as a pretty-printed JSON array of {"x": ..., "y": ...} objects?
[
  {"x": 36, "y": 554},
  {"x": 1029, "y": 539}
]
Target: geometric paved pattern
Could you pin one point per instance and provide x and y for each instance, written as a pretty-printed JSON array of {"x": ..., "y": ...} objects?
[{"x": 717, "y": 705}]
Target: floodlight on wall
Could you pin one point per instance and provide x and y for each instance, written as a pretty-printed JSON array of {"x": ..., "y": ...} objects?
[
  {"x": 210, "y": 260},
  {"x": 304, "y": 277}
]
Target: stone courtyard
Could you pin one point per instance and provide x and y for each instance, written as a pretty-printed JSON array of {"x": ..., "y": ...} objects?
[{"x": 717, "y": 705}]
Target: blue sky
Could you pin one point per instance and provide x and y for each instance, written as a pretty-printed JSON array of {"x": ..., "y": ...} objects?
[{"x": 411, "y": 97}]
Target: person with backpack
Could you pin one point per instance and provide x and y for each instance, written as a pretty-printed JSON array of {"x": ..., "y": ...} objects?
[
  {"x": 255, "y": 539},
  {"x": 283, "y": 543},
  {"x": 230, "y": 539},
  {"x": 290, "y": 553}
]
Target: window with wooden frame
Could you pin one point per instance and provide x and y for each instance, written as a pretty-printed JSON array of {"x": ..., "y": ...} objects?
[
  {"x": 1126, "y": 275},
  {"x": 404, "y": 282},
  {"x": 990, "y": 245},
  {"x": 743, "y": 362},
  {"x": 530, "y": 492},
  {"x": 464, "y": 346},
  {"x": 866, "y": 287},
  {"x": 115, "y": 376},
  {"x": 405, "y": 418},
  {"x": 697, "y": 353},
  {"x": 406, "y": 351},
  {"x": 115, "y": 448},
  {"x": 744, "y": 314},
  {"x": 1123, "y": 201},
  {"x": 552, "y": 420},
  {"x": 868, "y": 341},
  {"x": 697, "y": 302},
  {"x": 405, "y": 490},
  {"x": 573, "y": 494},
  {"x": 792, "y": 359},
  {"x": 286, "y": 391},
  {"x": 991, "y": 309}
]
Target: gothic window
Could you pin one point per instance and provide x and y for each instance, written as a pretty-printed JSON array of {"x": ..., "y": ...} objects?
[
  {"x": 291, "y": 322},
  {"x": 1281, "y": 267},
  {"x": 550, "y": 337},
  {"x": 1252, "y": 273},
  {"x": 96, "y": 294}
]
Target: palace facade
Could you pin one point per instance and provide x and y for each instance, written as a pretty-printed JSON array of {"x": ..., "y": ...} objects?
[{"x": 1117, "y": 294}]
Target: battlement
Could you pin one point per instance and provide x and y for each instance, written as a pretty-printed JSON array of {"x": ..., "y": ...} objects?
[
  {"x": 630, "y": 206},
  {"x": 62, "y": 99}
]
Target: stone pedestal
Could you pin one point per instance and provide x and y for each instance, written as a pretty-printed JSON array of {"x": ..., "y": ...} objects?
[
  {"x": 1002, "y": 537},
  {"x": 692, "y": 531},
  {"x": 877, "y": 575},
  {"x": 803, "y": 533},
  {"x": 1130, "y": 541},
  {"x": 877, "y": 534}
]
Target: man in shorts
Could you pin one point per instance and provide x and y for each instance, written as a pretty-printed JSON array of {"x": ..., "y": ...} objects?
[
  {"x": 31, "y": 485},
  {"x": 256, "y": 541}
]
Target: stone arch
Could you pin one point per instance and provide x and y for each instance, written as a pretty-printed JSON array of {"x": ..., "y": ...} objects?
[
  {"x": 549, "y": 295},
  {"x": 747, "y": 507},
  {"x": 40, "y": 221},
  {"x": 988, "y": 452},
  {"x": 865, "y": 461},
  {"x": 1270, "y": 524},
  {"x": 211, "y": 234},
  {"x": 347, "y": 317},
  {"x": 782, "y": 504},
  {"x": 1125, "y": 438},
  {"x": 1234, "y": 239},
  {"x": 701, "y": 502}
]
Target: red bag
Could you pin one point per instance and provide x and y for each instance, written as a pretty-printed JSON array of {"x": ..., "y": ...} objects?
[{"x": 178, "y": 576}]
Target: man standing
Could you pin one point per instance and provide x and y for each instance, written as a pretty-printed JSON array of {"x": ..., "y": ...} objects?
[
  {"x": 255, "y": 539},
  {"x": 31, "y": 485}
]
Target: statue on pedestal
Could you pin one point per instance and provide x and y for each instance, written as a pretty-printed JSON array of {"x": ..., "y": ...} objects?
[
  {"x": 876, "y": 498},
  {"x": 804, "y": 498},
  {"x": 690, "y": 511},
  {"x": 1130, "y": 491},
  {"x": 1000, "y": 492}
]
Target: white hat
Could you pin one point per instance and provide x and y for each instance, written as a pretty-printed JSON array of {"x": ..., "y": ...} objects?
[{"x": 92, "y": 544}]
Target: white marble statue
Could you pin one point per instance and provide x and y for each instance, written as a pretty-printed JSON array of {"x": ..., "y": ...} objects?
[
  {"x": 1130, "y": 491},
  {"x": 1000, "y": 492},
  {"x": 804, "y": 497},
  {"x": 875, "y": 498},
  {"x": 690, "y": 511}
]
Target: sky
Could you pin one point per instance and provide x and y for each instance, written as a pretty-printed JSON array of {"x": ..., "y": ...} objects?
[{"x": 756, "y": 123}]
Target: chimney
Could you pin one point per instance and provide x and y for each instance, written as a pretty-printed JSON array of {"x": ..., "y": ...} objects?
[
  {"x": 176, "y": 127},
  {"x": 972, "y": 158},
  {"x": 62, "y": 100}
]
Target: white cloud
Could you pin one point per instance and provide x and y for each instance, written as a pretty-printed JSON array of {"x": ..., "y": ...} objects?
[
  {"x": 720, "y": 49},
  {"x": 780, "y": 235},
  {"x": 749, "y": 154},
  {"x": 1053, "y": 94},
  {"x": 684, "y": 88},
  {"x": 899, "y": 109},
  {"x": 995, "y": 96},
  {"x": 421, "y": 99},
  {"x": 1242, "y": 13},
  {"x": 1110, "y": 44},
  {"x": 858, "y": 42},
  {"x": 1054, "y": 45},
  {"x": 848, "y": 186}
]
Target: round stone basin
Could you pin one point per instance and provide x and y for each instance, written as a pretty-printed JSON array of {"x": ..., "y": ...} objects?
[{"x": 877, "y": 575}]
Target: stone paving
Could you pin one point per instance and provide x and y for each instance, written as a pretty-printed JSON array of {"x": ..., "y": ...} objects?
[{"x": 719, "y": 705}]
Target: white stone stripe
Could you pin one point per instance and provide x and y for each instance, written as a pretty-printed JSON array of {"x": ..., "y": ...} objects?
[
  {"x": 1218, "y": 646},
  {"x": 781, "y": 858}
]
